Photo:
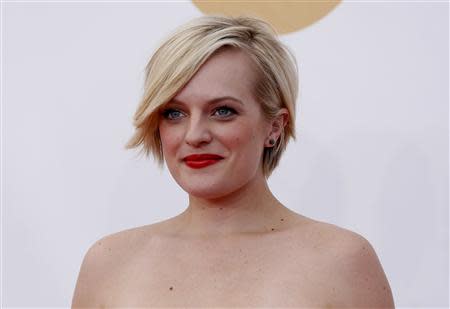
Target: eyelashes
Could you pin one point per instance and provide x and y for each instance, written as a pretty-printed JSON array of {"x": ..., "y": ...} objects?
[
  {"x": 230, "y": 111},
  {"x": 223, "y": 112},
  {"x": 168, "y": 113}
]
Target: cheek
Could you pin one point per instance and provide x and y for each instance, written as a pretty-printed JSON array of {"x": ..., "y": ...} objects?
[
  {"x": 170, "y": 138},
  {"x": 243, "y": 139}
]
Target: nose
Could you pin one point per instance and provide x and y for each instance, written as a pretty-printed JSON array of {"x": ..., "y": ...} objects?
[{"x": 198, "y": 132}]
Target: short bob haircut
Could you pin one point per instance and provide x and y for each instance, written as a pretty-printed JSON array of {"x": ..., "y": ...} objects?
[{"x": 179, "y": 57}]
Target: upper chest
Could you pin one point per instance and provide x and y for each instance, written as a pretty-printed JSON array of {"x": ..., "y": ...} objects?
[{"x": 250, "y": 272}]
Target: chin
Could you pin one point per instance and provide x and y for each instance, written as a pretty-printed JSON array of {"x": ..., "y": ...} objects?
[
  {"x": 213, "y": 185},
  {"x": 207, "y": 190}
]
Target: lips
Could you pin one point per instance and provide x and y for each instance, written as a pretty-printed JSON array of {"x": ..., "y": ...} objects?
[
  {"x": 201, "y": 160},
  {"x": 202, "y": 157}
]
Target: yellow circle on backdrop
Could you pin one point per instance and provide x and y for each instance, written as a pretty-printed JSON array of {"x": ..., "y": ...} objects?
[{"x": 285, "y": 16}]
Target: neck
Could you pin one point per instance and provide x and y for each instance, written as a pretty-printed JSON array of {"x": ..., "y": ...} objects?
[{"x": 252, "y": 209}]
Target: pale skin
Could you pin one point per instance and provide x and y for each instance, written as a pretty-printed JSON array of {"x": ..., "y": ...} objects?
[{"x": 235, "y": 245}]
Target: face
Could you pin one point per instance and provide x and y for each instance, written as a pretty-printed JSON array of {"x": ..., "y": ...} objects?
[{"x": 215, "y": 113}]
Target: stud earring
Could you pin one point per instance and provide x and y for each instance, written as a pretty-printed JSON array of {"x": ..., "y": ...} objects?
[{"x": 272, "y": 141}]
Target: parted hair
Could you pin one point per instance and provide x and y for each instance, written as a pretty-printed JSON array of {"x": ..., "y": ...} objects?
[{"x": 180, "y": 56}]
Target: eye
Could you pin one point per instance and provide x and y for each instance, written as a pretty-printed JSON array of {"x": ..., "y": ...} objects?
[
  {"x": 171, "y": 114},
  {"x": 224, "y": 111}
]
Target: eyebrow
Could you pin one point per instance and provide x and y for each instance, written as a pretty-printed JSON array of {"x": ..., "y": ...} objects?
[{"x": 215, "y": 100}]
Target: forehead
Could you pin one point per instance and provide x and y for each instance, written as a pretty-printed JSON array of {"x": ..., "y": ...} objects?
[{"x": 228, "y": 72}]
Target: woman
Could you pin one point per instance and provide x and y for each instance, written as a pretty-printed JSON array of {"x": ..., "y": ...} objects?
[{"x": 219, "y": 109}]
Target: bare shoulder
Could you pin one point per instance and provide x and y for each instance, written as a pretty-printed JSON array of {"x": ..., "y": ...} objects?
[
  {"x": 104, "y": 257},
  {"x": 356, "y": 276}
]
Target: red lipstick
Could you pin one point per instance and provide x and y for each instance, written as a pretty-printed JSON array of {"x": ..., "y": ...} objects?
[{"x": 201, "y": 160}]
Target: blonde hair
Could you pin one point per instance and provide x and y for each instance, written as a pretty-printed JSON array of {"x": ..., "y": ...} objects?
[{"x": 177, "y": 60}]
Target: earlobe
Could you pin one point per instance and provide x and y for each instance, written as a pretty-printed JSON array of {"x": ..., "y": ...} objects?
[
  {"x": 278, "y": 125},
  {"x": 270, "y": 142}
]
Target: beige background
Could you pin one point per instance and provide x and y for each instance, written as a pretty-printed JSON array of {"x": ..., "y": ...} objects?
[{"x": 285, "y": 16}]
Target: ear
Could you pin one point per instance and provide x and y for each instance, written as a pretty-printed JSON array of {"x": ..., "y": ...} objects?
[{"x": 277, "y": 126}]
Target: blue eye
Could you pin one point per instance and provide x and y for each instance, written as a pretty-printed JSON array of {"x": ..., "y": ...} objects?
[
  {"x": 221, "y": 112},
  {"x": 171, "y": 114},
  {"x": 225, "y": 111}
]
